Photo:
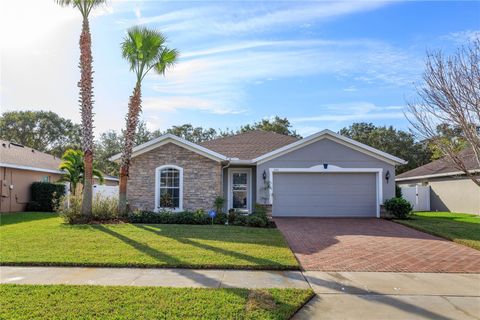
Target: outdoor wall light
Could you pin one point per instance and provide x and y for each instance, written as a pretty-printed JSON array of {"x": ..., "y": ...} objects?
[
  {"x": 325, "y": 165},
  {"x": 264, "y": 175},
  {"x": 387, "y": 175}
]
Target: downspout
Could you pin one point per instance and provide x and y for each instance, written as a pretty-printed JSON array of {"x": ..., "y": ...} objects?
[{"x": 223, "y": 189}]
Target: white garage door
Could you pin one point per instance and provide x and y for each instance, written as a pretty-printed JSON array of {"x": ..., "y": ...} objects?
[{"x": 324, "y": 194}]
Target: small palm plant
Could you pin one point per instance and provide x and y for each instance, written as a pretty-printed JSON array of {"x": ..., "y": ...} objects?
[
  {"x": 145, "y": 50},
  {"x": 86, "y": 96},
  {"x": 73, "y": 165}
]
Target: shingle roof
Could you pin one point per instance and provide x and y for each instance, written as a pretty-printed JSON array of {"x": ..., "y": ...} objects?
[
  {"x": 15, "y": 154},
  {"x": 442, "y": 166},
  {"x": 248, "y": 145}
]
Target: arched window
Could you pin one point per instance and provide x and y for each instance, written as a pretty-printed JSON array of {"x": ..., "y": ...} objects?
[{"x": 169, "y": 188}]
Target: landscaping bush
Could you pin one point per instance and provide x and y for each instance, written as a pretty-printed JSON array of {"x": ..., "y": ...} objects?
[
  {"x": 231, "y": 216},
  {"x": 220, "y": 218},
  {"x": 398, "y": 207},
  {"x": 218, "y": 203},
  {"x": 45, "y": 196},
  {"x": 167, "y": 217},
  {"x": 256, "y": 219},
  {"x": 240, "y": 220},
  {"x": 104, "y": 209}
]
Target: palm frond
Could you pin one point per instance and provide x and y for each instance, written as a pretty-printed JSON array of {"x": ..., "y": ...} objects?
[
  {"x": 166, "y": 60},
  {"x": 143, "y": 48},
  {"x": 97, "y": 173}
]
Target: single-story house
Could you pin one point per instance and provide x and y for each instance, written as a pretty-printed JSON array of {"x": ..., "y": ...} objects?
[
  {"x": 450, "y": 189},
  {"x": 323, "y": 175},
  {"x": 20, "y": 166}
]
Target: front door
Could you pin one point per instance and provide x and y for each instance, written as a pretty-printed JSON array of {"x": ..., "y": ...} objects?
[{"x": 239, "y": 193}]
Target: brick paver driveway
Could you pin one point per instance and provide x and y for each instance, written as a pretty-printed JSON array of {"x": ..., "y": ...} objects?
[{"x": 372, "y": 245}]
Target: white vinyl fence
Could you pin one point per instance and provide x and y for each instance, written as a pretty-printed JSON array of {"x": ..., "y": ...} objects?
[
  {"x": 105, "y": 191},
  {"x": 418, "y": 196}
]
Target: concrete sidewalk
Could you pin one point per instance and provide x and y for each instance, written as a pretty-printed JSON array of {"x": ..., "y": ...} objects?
[
  {"x": 393, "y": 296},
  {"x": 153, "y": 277},
  {"x": 340, "y": 295}
]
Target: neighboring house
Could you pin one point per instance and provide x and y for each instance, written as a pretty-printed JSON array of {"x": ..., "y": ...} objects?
[
  {"x": 20, "y": 166},
  {"x": 324, "y": 175},
  {"x": 450, "y": 189}
]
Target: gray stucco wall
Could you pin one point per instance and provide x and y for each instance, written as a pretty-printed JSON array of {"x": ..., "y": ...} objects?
[{"x": 331, "y": 152}]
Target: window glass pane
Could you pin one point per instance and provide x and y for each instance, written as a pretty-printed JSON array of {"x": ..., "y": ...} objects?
[
  {"x": 239, "y": 178},
  {"x": 170, "y": 188},
  {"x": 240, "y": 200}
]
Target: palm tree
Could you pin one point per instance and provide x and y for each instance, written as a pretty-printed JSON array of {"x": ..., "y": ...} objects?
[
  {"x": 73, "y": 165},
  {"x": 86, "y": 96},
  {"x": 145, "y": 50}
]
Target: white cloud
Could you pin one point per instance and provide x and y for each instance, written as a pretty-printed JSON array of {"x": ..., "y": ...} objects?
[
  {"x": 220, "y": 75},
  {"x": 229, "y": 19},
  {"x": 137, "y": 12},
  {"x": 462, "y": 37},
  {"x": 174, "y": 103},
  {"x": 355, "y": 111},
  {"x": 350, "y": 89}
]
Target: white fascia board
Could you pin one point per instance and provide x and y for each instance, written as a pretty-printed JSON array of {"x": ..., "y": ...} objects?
[
  {"x": 437, "y": 175},
  {"x": 241, "y": 162},
  {"x": 15, "y": 166},
  {"x": 170, "y": 138},
  {"x": 335, "y": 137}
]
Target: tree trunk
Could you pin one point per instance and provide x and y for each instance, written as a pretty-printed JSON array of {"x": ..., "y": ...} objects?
[
  {"x": 134, "y": 109},
  {"x": 86, "y": 106}
]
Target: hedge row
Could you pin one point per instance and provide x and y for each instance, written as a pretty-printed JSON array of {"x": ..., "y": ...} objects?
[
  {"x": 256, "y": 219},
  {"x": 45, "y": 196}
]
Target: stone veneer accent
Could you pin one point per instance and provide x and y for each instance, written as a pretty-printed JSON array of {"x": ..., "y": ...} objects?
[{"x": 201, "y": 177}]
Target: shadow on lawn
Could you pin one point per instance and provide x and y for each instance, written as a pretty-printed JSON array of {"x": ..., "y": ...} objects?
[
  {"x": 22, "y": 217},
  {"x": 234, "y": 234},
  {"x": 238, "y": 255}
]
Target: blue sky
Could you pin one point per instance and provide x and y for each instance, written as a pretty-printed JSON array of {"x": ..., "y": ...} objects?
[{"x": 321, "y": 64}]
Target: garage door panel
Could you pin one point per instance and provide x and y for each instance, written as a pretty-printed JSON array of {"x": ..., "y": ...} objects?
[{"x": 324, "y": 194}]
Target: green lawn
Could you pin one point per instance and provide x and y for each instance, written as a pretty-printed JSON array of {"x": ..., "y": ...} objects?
[
  {"x": 88, "y": 302},
  {"x": 458, "y": 227},
  {"x": 43, "y": 239}
]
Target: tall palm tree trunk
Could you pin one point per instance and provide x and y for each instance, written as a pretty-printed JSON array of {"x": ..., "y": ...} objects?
[
  {"x": 134, "y": 108},
  {"x": 86, "y": 106}
]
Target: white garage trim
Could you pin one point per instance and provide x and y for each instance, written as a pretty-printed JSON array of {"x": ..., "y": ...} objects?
[{"x": 334, "y": 169}]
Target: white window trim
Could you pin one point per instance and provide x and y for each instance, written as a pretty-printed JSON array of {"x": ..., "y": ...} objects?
[
  {"x": 249, "y": 186},
  {"x": 157, "y": 187},
  {"x": 334, "y": 169}
]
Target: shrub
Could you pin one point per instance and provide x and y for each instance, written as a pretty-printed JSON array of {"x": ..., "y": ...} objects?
[
  {"x": 70, "y": 209},
  {"x": 45, "y": 196},
  {"x": 258, "y": 219},
  {"x": 103, "y": 209},
  {"x": 220, "y": 218},
  {"x": 398, "y": 191},
  {"x": 231, "y": 216},
  {"x": 167, "y": 217},
  {"x": 240, "y": 220},
  {"x": 398, "y": 207},
  {"x": 218, "y": 203}
]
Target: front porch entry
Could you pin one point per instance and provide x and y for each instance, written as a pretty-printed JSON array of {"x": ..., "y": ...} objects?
[{"x": 240, "y": 189}]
